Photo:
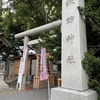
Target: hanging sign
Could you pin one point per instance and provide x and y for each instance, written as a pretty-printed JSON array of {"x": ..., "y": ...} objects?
[
  {"x": 21, "y": 69},
  {"x": 43, "y": 67}
]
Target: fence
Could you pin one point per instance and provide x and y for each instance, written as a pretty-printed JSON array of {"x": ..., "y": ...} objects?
[{"x": 39, "y": 84}]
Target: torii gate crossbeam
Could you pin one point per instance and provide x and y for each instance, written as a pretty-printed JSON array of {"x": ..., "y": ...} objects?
[{"x": 38, "y": 30}]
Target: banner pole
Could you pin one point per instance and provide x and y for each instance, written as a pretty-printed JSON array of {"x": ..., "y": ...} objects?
[{"x": 49, "y": 90}]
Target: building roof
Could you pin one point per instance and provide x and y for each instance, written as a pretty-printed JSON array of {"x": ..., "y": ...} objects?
[{"x": 4, "y": 40}]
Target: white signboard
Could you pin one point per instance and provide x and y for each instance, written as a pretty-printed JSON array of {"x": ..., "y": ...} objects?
[{"x": 21, "y": 69}]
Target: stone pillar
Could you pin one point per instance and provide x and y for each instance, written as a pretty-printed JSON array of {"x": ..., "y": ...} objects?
[
  {"x": 74, "y": 79},
  {"x": 3, "y": 85}
]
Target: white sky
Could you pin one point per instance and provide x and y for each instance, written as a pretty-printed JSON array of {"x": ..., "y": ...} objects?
[{"x": 4, "y": 1}]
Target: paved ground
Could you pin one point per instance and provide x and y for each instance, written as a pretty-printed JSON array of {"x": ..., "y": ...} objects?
[{"x": 14, "y": 94}]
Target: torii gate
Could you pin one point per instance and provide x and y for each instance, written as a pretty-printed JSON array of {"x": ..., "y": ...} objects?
[
  {"x": 74, "y": 78},
  {"x": 32, "y": 32}
]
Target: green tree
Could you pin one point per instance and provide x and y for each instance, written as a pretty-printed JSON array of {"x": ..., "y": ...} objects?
[
  {"x": 28, "y": 14},
  {"x": 92, "y": 13},
  {"x": 92, "y": 66},
  {"x": 0, "y": 12},
  {"x": 91, "y": 62}
]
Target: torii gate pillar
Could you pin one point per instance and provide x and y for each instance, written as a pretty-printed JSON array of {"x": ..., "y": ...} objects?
[
  {"x": 74, "y": 79},
  {"x": 26, "y": 40}
]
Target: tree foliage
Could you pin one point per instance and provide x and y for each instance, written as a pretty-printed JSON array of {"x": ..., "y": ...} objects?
[
  {"x": 91, "y": 62},
  {"x": 21, "y": 15},
  {"x": 92, "y": 13},
  {"x": 92, "y": 66}
]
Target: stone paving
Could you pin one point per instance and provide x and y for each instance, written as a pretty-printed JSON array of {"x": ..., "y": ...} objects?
[{"x": 14, "y": 94}]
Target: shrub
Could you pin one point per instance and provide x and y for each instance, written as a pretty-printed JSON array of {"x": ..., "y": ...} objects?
[{"x": 92, "y": 66}]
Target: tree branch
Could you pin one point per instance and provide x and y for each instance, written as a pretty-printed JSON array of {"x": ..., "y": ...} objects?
[{"x": 93, "y": 23}]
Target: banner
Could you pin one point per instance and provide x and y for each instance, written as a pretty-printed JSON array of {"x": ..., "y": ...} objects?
[
  {"x": 43, "y": 67},
  {"x": 25, "y": 53},
  {"x": 21, "y": 69}
]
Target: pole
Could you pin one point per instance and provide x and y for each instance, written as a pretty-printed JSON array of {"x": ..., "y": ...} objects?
[
  {"x": 49, "y": 97},
  {"x": 26, "y": 39}
]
